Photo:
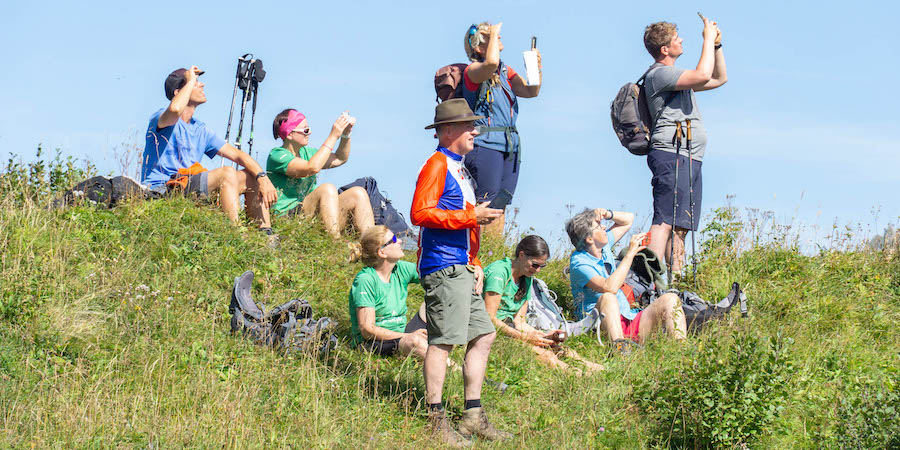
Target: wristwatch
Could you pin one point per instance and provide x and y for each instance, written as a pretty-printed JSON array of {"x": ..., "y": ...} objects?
[
  {"x": 717, "y": 46},
  {"x": 261, "y": 174}
]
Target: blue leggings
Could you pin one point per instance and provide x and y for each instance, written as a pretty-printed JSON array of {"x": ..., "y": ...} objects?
[{"x": 493, "y": 171}]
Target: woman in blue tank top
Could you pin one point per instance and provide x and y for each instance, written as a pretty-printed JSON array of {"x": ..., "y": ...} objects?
[{"x": 492, "y": 89}]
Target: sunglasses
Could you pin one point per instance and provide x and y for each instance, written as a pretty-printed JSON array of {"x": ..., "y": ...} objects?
[
  {"x": 538, "y": 265},
  {"x": 304, "y": 131},
  {"x": 392, "y": 241}
]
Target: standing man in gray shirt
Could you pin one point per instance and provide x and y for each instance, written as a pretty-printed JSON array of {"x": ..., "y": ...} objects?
[{"x": 670, "y": 99}]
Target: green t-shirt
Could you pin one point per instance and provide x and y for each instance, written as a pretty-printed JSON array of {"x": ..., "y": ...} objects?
[
  {"x": 291, "y": 191},
  {"x": 388, "y": 299},
  {"x": 498, "y": 278}
]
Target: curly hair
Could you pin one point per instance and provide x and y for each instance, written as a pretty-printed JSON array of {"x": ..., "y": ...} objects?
[
  {"x": 658, "y": 34},
  {"x": 369, "y": 243}
]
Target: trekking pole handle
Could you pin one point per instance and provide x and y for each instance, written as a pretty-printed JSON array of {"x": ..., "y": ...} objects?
[
  {"x": 688, "y": 129},
  {"x": 678, "y": 132}
]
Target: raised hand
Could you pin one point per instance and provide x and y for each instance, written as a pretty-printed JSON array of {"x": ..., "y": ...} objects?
[{"x": 635, "y": 244}]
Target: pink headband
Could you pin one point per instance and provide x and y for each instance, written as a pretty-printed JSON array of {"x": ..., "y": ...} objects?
[{"x": 294, "y": 119}]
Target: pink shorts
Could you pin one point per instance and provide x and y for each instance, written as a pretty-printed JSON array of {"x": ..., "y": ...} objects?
[{"x": 630, "y": 328}]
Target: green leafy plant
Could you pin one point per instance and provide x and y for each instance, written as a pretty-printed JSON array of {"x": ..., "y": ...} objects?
[
  {"x": 868, "y": 415},
  {"x": 720, "y": 393}
]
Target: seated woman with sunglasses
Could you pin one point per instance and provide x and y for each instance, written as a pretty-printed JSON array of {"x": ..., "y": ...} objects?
[
  {"x": 507, "y": 288},
  {"x": 293, "y": 168},
  {"x": 378, "y": 297}
]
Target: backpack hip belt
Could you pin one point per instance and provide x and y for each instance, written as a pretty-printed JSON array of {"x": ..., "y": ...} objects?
[{"x": 506, "y": 130}]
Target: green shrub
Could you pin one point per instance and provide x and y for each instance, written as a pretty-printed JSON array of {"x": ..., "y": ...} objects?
[
  {"x": 40, "y": 179},
  {"x": 719, "y": 393},
  {"x": 868, "y": 415}
]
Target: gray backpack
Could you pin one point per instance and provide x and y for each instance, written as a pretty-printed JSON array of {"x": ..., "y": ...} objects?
[
  {"x": 631, "y": 119},
  {"x": 289, "y": 327},
  {"x": 544, "y": 314}
]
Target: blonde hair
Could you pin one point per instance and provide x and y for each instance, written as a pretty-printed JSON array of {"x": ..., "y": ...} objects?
[
  {"x": 369, "y": 243},
  {"x": 657, "y": 35},
  {"x": 472, "y": 41}
]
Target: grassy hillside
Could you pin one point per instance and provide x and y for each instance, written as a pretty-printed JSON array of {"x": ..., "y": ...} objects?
[{"x": 114, "y": 332}]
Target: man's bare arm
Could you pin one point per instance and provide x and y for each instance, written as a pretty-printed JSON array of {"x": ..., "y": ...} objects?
[{"x": 180, "y": 101}]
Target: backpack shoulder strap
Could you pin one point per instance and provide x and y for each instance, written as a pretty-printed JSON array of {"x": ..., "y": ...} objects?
[{"x": 640, "y": 82}]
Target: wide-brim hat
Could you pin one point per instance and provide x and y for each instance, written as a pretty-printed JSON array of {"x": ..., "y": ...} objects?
[{"x": 453, "y": 110}]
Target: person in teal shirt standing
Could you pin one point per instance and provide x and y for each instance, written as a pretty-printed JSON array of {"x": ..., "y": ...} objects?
[
  {"x": 507, "y": 288},
  {"x": 378, "y": 298},
  {"x": 293, "y": 168}
]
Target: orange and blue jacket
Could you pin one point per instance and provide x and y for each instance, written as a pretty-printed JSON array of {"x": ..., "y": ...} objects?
[{"x": 444, "y": 207}]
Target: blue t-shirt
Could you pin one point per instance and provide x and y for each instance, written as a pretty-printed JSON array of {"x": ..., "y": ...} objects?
[
  {"x": 175, "y": 147},
  {"x": 582, "y": 267}
]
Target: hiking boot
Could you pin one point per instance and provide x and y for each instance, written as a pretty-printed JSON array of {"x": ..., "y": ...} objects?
[
  {"x": 273, "y": 241},
  {"x": 475, "y": 422},
  {"x": 442, "y": 430},
  {"x": 625, "y": 347}
]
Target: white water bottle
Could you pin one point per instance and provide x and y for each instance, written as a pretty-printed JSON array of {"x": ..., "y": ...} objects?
[{"x": 532, "y": 71}]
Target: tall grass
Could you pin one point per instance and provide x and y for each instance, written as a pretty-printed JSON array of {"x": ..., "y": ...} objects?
[{"x": 114, "y": 332}]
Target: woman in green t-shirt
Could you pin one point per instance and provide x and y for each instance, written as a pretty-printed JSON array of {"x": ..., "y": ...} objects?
[
  {"x": 378, "y": 297},
  {"x": 293, "y": 168},
  {"x": 507, "y": 288}
]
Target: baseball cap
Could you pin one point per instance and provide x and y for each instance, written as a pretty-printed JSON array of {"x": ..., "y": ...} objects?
[{"x": 174, "y": 81}]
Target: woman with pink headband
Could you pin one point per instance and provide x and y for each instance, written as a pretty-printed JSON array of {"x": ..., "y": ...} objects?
[{"x": 293, "y": 168}]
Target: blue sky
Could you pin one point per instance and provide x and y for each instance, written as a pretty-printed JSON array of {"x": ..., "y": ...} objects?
[{"x": 804, "y": 127}]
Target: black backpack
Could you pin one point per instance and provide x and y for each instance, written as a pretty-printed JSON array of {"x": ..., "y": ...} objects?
[
  {"x": 102, "y": 191},
  {"x": 698, "y": 312},
  {"x": 631, "y": 119},
  {"x": 382, "y": 209},
  {"x": 289, "y": 327}
]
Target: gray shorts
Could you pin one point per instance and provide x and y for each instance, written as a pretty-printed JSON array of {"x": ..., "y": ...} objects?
[
  {"x": 198, "y": 185},
  {"x": 455, "y": 314}
]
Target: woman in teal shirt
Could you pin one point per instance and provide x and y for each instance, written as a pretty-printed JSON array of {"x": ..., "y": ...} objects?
[
  {"x": 507, "y": 288},
  {"x": 293, "y": 168},
  {"x": 378, "y": 297}
]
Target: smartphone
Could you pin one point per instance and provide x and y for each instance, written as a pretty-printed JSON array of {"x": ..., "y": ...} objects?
[
  {"x": 559, "y": 336},
  {"x": 533, "y": 42},
  {"x": 646, "y": 241},
  {"x": 501, "y": 200},
  {"x": 701, "y": 16}
]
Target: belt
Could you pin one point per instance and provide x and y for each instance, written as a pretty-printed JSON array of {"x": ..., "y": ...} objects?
[{"x": 506, "y": 130}]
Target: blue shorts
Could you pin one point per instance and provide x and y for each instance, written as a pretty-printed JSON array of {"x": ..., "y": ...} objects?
[
  {"x": 493, "y": 171},
  {"x": 662, "y": 165}
]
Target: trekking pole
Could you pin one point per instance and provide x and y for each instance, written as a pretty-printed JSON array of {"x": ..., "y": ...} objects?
[
  {"x": 691, "y": 184},
  {"x": 252, "y": 116},
  {"x": 677, "y": 141},
  {"x": 237, "y": 79},
  {"x": 257, "y": 75},
  {"x": 240, "y": 130}
]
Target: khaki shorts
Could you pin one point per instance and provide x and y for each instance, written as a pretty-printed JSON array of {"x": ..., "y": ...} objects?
[{"x": 454, "y": 313}]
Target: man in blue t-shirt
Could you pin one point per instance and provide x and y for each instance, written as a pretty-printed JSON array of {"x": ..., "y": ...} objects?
[
  {"x": 597, "y": 280},
  {"x": 176, "y": 140}
]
